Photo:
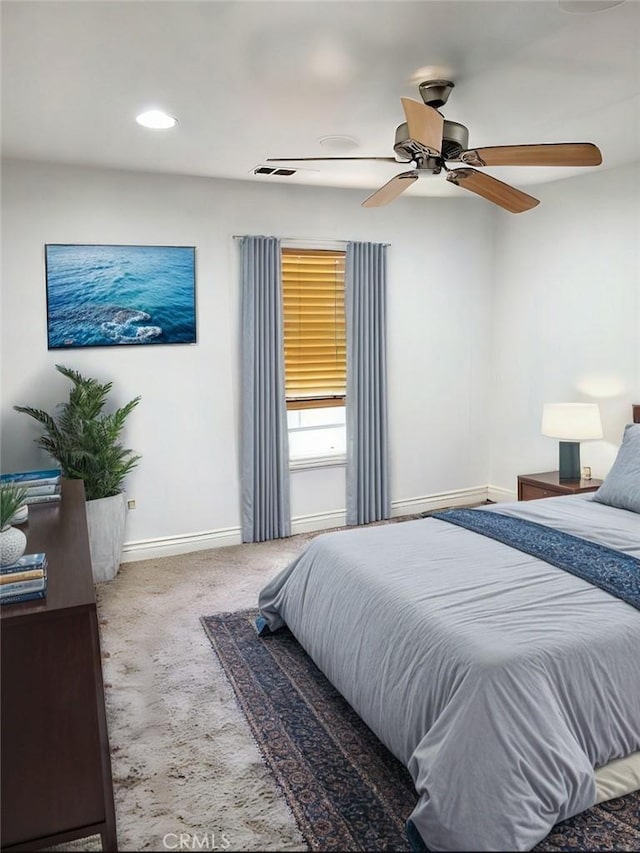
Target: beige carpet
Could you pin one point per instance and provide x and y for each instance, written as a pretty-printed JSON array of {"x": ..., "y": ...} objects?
[{"x": 183, "y": 759}]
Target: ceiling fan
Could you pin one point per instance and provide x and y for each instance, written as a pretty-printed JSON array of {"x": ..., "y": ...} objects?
[{"x": 428, "y": 140}]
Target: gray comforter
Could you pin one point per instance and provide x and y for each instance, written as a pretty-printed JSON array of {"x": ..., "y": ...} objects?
[{"x": 500, "y": 681}]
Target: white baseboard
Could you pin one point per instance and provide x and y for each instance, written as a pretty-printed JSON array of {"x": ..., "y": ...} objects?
[
  {"x": 170, "y": 546},
  {"x": 460, "y": 497},
  {"x": 500, "y": 495},
  {"x": 150, "y": 549},
  {"x": 318, "y": 521}
]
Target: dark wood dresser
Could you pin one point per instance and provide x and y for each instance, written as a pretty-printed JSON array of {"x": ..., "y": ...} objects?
[
  {"x": 55, "y": 762},
  {"x": 548, "y": 484}
]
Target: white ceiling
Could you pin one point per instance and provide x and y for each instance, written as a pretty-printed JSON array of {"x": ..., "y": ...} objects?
[{"x": 251, "y": 80}]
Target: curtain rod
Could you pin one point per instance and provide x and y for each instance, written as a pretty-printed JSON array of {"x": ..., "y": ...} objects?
[{"x": 304, "y": 239}]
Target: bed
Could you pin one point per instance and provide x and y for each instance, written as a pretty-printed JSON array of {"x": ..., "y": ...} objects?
[{"x": 506, "y": 680}]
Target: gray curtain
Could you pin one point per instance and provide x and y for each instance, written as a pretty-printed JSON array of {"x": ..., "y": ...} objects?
[
  {"x": 366, "y": 408},
  {"x": 264, "y": 436}
]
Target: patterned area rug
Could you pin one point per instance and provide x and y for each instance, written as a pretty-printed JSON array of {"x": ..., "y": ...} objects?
[{"x": 346, "y": 790}]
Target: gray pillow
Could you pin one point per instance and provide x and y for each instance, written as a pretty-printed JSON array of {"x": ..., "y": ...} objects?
[{"x": 621, "y": 487}]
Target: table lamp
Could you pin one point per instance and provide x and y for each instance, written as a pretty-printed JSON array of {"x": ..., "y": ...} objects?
[{"x": 571, "y": 423}]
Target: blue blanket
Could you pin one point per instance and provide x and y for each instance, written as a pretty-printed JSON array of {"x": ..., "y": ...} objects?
[{"x": 613, "y": 571}]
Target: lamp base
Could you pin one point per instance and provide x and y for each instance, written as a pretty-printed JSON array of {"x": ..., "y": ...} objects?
[{"x": 569, "y": 460}]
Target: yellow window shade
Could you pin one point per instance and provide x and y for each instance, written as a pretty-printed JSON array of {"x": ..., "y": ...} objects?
[{"x": 314, "y": 328}]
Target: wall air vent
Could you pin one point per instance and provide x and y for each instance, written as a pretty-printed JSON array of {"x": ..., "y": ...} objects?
[{"x": 270, "y": 170}]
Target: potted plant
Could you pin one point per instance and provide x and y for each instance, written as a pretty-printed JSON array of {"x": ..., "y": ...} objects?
[
  {"x": 12, "y": 540},
  {"x": 84, "y": 440}
]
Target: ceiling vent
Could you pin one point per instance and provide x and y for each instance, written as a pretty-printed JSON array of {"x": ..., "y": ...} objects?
[{"x": 269, "y": 170}]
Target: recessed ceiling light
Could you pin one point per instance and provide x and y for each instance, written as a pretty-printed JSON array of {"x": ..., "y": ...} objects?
[
  {"x": 587, "y": 7},
  {"x": 156, "y": 120},
  {"x": 339, "y": 142}
]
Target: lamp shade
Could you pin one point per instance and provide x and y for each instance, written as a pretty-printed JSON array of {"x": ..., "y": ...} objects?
[{"x": 571, "y": 421}]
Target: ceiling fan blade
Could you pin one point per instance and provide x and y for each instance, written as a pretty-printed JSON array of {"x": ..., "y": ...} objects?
[
  {"x": 560, "y": 154},
  {"x": 425, "y": 125},
  {"x": 391, "y": 189},
  {"x": 304, "y": 159},
  {"x": 504, "y": 195}
]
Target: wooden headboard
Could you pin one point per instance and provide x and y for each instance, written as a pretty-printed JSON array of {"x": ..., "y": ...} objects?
[{"x": 636, "y": 413}]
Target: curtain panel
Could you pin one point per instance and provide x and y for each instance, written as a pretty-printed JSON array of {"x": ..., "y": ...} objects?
[
  {"x": 264, "y": 437},
  {"x": 367, "y": 472}
]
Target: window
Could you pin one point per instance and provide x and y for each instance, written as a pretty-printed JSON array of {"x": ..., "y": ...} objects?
[
  {"x": 315, "y": 351},
  {"x": 316, "y": 433}
]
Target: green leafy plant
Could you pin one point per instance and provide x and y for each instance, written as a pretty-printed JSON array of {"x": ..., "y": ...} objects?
[
  {"x": 11, "y": 499},
  {"x": 83, "y": 438}
]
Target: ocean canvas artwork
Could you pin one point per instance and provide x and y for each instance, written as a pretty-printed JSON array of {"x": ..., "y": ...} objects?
[{"x": 110, "y": 295}]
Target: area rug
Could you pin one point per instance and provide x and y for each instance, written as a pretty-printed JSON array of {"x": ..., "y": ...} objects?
[{"x": 345, "y": 789}]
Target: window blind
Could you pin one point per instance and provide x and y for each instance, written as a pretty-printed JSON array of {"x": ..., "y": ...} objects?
[{"x": 314, "y": 328}]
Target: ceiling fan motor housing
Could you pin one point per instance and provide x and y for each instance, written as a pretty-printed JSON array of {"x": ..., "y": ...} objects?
[{"x": 455, "y": 138}]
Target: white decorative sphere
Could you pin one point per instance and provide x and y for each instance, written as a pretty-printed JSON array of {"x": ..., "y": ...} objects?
[{"x": 12, "y": 545}]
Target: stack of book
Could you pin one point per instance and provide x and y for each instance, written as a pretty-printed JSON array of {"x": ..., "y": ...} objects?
[
  {"x": 42, "y": 486},
  {"x": 24, "y": 580}
]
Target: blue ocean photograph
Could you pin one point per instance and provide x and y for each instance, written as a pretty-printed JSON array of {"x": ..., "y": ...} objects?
[{"x": 103, "y": 295}]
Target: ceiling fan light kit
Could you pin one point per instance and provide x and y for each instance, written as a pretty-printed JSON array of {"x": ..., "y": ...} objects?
[{"x": 429, "y": 140}]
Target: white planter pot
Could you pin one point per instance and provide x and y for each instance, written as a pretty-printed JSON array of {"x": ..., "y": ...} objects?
[
  {"x": 106, "y": 520},
  {"x": 12, "y": 545}
]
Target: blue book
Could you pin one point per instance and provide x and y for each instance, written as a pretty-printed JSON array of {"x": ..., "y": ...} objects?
[
  {"x": 44, "y": 477},
  {"x": 8, "y": 590},
  {"x": 27, "y": 561},
  {"x": 24, "y": 596},
  {"x": 42, "y": 499},
  {"x": 51, "y": 489}
]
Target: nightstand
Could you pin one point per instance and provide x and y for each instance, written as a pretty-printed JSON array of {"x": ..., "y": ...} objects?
[{"x": 548, "y": 485}]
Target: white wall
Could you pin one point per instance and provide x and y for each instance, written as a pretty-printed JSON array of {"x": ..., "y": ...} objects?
[
  {"x": 186, "y": 427},
  {"x": 566, "y": 319}
]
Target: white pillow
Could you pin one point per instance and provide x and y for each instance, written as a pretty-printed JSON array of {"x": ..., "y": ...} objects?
[{"x": 621, "y": 487}]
